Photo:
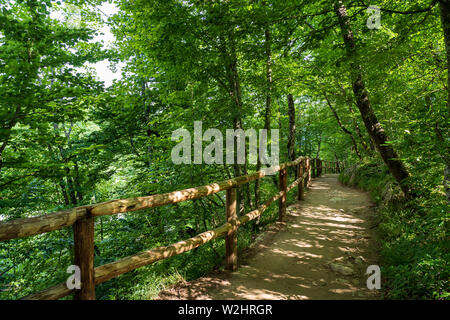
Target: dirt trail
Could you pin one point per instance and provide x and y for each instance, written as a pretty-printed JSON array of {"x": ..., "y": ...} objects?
[{"x": 307, "y": 257}]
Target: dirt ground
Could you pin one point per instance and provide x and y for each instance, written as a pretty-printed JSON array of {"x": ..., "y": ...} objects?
[{"x": 322, "y": 251}]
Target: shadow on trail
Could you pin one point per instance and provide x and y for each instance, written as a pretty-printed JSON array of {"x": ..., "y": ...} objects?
[{"x": 293, "y": 260}]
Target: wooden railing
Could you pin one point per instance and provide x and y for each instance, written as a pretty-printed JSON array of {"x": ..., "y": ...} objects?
[{"x": 82, "y": 220}]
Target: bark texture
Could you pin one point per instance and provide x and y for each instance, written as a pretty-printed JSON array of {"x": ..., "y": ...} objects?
[
  {"x": 444, "y": 6},
  {"x": 373, "y": 126},
  {"x": 291, "y": 138}
]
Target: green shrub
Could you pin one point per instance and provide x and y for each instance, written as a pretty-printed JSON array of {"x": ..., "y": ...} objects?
[{"x": 414, "y": 235}]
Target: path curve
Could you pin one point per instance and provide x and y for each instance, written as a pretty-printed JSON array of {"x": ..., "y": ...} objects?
[{"x": 322, "y": 251}]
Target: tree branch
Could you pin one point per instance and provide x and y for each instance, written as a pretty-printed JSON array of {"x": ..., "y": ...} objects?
[{"x": 432, "y": 4}]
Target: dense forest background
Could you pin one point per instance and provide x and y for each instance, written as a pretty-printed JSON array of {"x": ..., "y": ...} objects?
[{"x": 377, "y": 98}]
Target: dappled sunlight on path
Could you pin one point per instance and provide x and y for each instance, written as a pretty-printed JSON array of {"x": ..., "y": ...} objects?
[{"x": 332, "y": 225}]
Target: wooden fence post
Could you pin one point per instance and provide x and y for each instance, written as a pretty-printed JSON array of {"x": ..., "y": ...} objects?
[
  {"x": 231, "y": 237},
  {"x": 301, "y": 170},
  {"x": 308, "y": 170},
  {"x": 316, "y": 168},
  {"x": 83, "y": 234},
  {"x": 316, "y": 164},
  {"x": 282, "y": 202},
  {"x": 313, "y": 168}
]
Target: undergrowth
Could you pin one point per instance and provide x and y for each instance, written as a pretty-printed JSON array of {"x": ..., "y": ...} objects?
[
  {"x": 414, "y": 234},
  {"x": 147, "y": 282}
]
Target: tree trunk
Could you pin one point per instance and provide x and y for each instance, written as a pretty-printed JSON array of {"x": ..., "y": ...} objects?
[
  {"x": 61, "y": 182},
  {"x": 444, "y": 6},
  {"x": 268, "y": 44},
  {"x": 374, "y": 128},
  {"x": 319, "y": 143},
  {"x": 8, "y": 127},
  {"x": 291, "y": 138},
  {"x": 240, "y": 169},
  {"x": 64, "y": 192},
  {"x": 77, "y": 183},
  {"x": 368, "y": 149},
  {"x": 147, "y": 113},
  {"x": 344, "y": 129},
  {"x": 230, "y": 58},
  {"x": 70, "y": 184}
]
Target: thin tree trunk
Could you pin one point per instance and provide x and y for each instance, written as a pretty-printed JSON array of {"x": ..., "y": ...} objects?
[
  {"x": 344, "y": 129},
  {"x": 235, "y": 92},
  {"x": 374, "y": 128},
  {"x": 63, "y": 192},
  {"x": 69, "y": 181},
  {"x": 291, "y": 138},
  {"x": 319, "y": 143},
  {"x": 268, "y": 44},
  {"x": 444, "y": 6},
  {"x": 70, "y": 184},
  {"x": 238, "y": 125},
  {"x": 77, "y": 183},
  {"x": 367, "y": 149},
  {"x": 61, "y": 183},
  {"x": 8, "y": 129},
  {"x": 149, "y": 132}
]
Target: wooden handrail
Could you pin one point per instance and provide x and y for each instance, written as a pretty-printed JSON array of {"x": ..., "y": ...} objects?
[
  {"x": 32, "y": 226},
  {"x": 61, "y": 219},
  {"x": 111, "y": 270},
  {"x": 82, "y": 219}
]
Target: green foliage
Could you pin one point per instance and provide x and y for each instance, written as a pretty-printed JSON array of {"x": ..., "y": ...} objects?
[
  {"x": 372, "y": 176},
  {"x": 416, "y": 251},
  {"x": 414, "y": 235}
]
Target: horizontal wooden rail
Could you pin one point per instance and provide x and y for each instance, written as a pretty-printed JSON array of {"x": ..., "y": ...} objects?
[
  {"x": 61, "y": 219},
  {"x": 31, "y": 226},
  {"x": 134, "y": 204},
  {"x": 82, "y": 220},
  {"x": 114, "y": 269}
]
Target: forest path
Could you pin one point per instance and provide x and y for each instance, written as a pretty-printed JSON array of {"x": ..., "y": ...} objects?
[{"x": 322, "y": 251}]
